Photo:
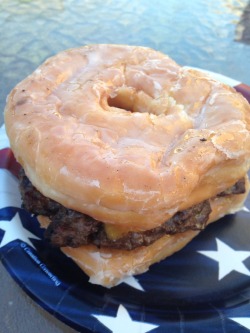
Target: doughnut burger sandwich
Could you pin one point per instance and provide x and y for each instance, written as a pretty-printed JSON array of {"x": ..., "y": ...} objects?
[{"x": 125, "y": 155}]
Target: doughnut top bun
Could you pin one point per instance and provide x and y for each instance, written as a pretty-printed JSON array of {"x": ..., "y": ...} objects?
[{"x": 127, "y": 136}]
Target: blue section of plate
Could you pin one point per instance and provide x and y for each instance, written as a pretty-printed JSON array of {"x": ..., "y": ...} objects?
[{"x": 180, "y": 290}]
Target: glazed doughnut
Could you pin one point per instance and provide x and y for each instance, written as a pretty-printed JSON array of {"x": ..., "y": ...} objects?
[
  {"x": 126, "y": 136},
  {"x": 134, "y": 167}
]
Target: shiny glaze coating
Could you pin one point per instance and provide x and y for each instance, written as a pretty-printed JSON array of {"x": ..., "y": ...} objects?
[{"x": 126, "y": 135}]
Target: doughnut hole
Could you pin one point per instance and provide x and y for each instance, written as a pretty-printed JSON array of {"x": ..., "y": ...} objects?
[
  {"x": 123, "y": 98},
  {"x": 128, "y": 99}
]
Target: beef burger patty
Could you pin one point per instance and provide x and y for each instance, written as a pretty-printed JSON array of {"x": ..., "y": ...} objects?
[{"x": 72, "y": 228}]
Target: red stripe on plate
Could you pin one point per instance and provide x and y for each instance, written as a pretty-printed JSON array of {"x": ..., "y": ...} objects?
[
  {"x": 244, "y": 90},
  {"x": 8, "y": 161}
]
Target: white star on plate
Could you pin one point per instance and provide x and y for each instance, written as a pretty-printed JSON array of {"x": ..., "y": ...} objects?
[
  {"x": 123, "y": 323},
  {"x": 245, "y": 209},
  {"x": 14, "y": 230},
  {"x": 229, "y": 260},
  {"x": 132, "y": 282},
  {"x": 242, "y": 321}
]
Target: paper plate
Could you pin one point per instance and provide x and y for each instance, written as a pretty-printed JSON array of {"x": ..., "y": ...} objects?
[{"x": 203, "y": 288}]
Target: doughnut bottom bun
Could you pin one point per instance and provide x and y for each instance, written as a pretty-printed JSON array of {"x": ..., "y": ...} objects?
[{"x": 109, "y": 267}]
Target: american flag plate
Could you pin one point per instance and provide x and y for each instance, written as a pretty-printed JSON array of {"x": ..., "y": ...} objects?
[{"x": 203, "y": 288}]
